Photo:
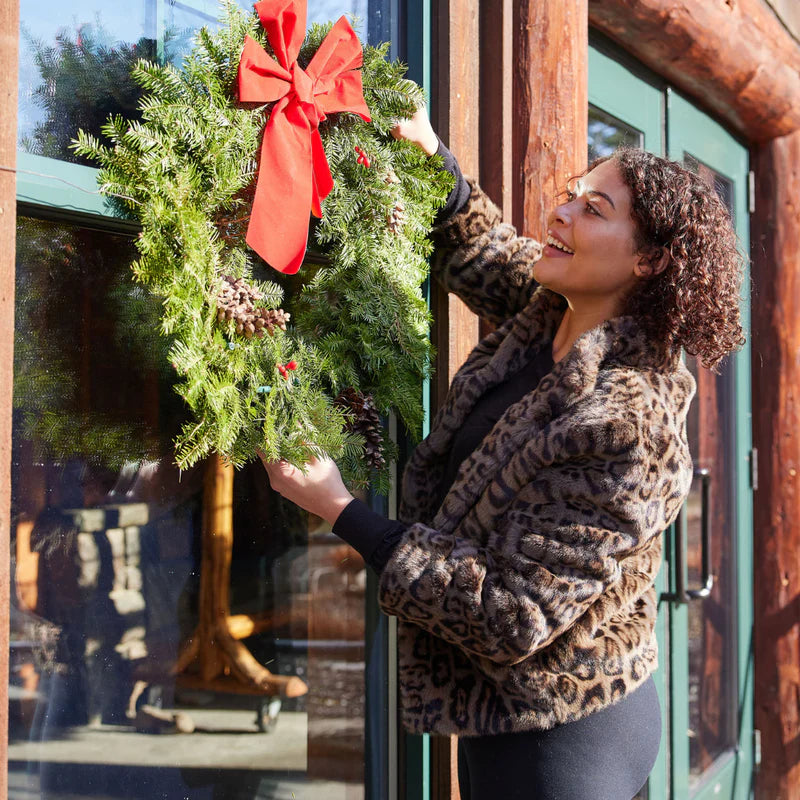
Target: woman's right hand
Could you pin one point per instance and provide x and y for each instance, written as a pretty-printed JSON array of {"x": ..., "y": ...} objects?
[{"x": 419, "y": 131}]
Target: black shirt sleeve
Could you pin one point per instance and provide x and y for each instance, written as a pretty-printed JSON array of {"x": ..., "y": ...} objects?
[
  {"x": 370, "y": 533},
  {"x": 460, "y": 193}
]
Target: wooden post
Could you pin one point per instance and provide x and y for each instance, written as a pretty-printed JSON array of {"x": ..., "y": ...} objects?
[
  {"x": 521, "y": 131},
  {"x": 550, "y": 105},
  {"x": 455, "y": 106},
  {"x": 456, "y": 116},
  {"x": 9, "y": 50},
  {"x": 775, "y": 236}
]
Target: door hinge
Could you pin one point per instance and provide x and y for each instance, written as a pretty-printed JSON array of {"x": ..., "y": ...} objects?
[
  {"x": 751, "y": 192},
  {"x": 754, "y": 469},
  {"x": 756, "y": 747}
]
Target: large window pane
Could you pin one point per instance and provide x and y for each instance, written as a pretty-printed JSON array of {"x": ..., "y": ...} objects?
[
  {"x": 75, "y": 58},
  {"x": 139, "y": 590},
  {"x": 114, "y": 582}
]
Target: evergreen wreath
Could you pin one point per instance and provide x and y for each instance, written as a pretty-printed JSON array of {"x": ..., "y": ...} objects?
[{"x": 310, "y": 375}]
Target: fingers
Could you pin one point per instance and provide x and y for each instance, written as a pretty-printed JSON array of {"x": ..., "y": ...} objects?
[
  {"x": 418, "y": 131},
  {"x": 276, "y": 470}
]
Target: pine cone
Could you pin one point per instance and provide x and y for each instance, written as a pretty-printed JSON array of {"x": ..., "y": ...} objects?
[
  {"x": 364, "y": 421},
  {"x": 237, "y": 301},
  {"x": 396, "y": 217}
]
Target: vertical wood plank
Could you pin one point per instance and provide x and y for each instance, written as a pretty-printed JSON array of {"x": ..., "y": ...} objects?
[
  {"x": 775, "y": 237},
  {"x": 550, "y": 105},
  {"x": 455, "y": 117},
  {"x": 496, "y": 100},
  {"x": 9, "y": 49},
  {"x": 496, "y": 174}
]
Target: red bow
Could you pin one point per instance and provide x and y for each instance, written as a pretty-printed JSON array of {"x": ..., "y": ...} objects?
[{"x": 294, "y": 174}]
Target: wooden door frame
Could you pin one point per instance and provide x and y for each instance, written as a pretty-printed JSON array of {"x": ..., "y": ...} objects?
[{"x": 9, "y": 54}]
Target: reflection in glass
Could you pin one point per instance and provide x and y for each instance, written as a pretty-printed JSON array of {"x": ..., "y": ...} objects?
[
  {"x": 146, "y": 600},
  {"x": 712, "y": 632},
  {"x": 607, "y": 133},
  {"x": 74, "y": 69},
  {"x": 722, "y": 186},
  {"x": 712, "y": 621},
  {"x": 74, "y": 66}
]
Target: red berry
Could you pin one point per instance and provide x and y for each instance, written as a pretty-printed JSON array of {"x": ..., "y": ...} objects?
[{"x": 291, "y": 365}]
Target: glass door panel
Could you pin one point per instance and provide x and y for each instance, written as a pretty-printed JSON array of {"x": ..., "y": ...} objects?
[
  {"x": 710, "y": 517},
  {"x": 711, "y": 628},
  {"x": 607, "y": 133}
]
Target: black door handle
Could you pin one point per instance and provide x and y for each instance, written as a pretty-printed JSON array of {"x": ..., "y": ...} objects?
[{"x": 681, "y": 593}]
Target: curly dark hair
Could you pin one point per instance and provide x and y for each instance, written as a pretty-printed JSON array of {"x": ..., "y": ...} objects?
[{"x": 694, "y": 302}]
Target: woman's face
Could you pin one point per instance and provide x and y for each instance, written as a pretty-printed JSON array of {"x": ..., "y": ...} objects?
[{"x": 598, "y": 263}]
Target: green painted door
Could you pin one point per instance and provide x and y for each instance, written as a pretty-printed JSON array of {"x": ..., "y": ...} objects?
[{"x": 705, "y": 611}]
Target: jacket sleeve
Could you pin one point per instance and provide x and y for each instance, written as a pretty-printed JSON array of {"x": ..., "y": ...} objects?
[
  {"x": 483, "y": 260},
  {"x": 510, "y": 587}
]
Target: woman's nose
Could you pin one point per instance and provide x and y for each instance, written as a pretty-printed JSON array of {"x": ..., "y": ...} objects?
[{"x": 560, "y": 214}]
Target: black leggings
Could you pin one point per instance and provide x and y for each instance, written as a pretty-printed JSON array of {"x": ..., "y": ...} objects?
[{"x": 605, "y": 756}]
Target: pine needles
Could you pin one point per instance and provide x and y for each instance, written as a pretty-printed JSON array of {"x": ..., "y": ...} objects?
[{"x": 359, "y": 321}]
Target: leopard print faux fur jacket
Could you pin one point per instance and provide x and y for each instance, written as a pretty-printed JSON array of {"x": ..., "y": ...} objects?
[{"x": 526, "y": 600}]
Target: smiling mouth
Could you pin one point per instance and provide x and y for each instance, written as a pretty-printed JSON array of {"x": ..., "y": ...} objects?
[{"x": 553, "y": 242}]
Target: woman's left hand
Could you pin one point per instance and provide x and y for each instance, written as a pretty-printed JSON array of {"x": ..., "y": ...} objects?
[{"x": 319, "y": 490}]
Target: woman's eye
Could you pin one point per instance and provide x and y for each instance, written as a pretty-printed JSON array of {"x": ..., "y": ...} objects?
[{"x": 592, "y": 210}]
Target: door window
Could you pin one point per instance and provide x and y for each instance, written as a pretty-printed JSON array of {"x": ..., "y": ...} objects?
[
  {"x": 606, "y": 134},
  {"x": 711, "y": 524}
]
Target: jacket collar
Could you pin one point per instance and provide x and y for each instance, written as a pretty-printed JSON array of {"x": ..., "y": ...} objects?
[{"x": 616, "y": 342}]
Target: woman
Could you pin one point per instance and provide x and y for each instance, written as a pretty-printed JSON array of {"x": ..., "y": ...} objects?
[{"x": 531, "y": 517}]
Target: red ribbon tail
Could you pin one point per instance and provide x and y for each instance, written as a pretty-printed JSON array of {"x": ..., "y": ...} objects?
[
  {"x": 322, "y": 180},
  {"x": 278, "y": 229}
]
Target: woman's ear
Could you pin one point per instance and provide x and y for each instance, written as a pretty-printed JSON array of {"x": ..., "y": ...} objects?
[{"x": 652, "y": 263}]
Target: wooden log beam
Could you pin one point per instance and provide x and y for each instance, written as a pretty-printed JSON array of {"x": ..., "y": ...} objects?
[
  {"x": 775, "y": 234},
  {"x": 9, "y": 49},
  {"x": 734, "y": 57},
  {"x": 550, "y": 105}
]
